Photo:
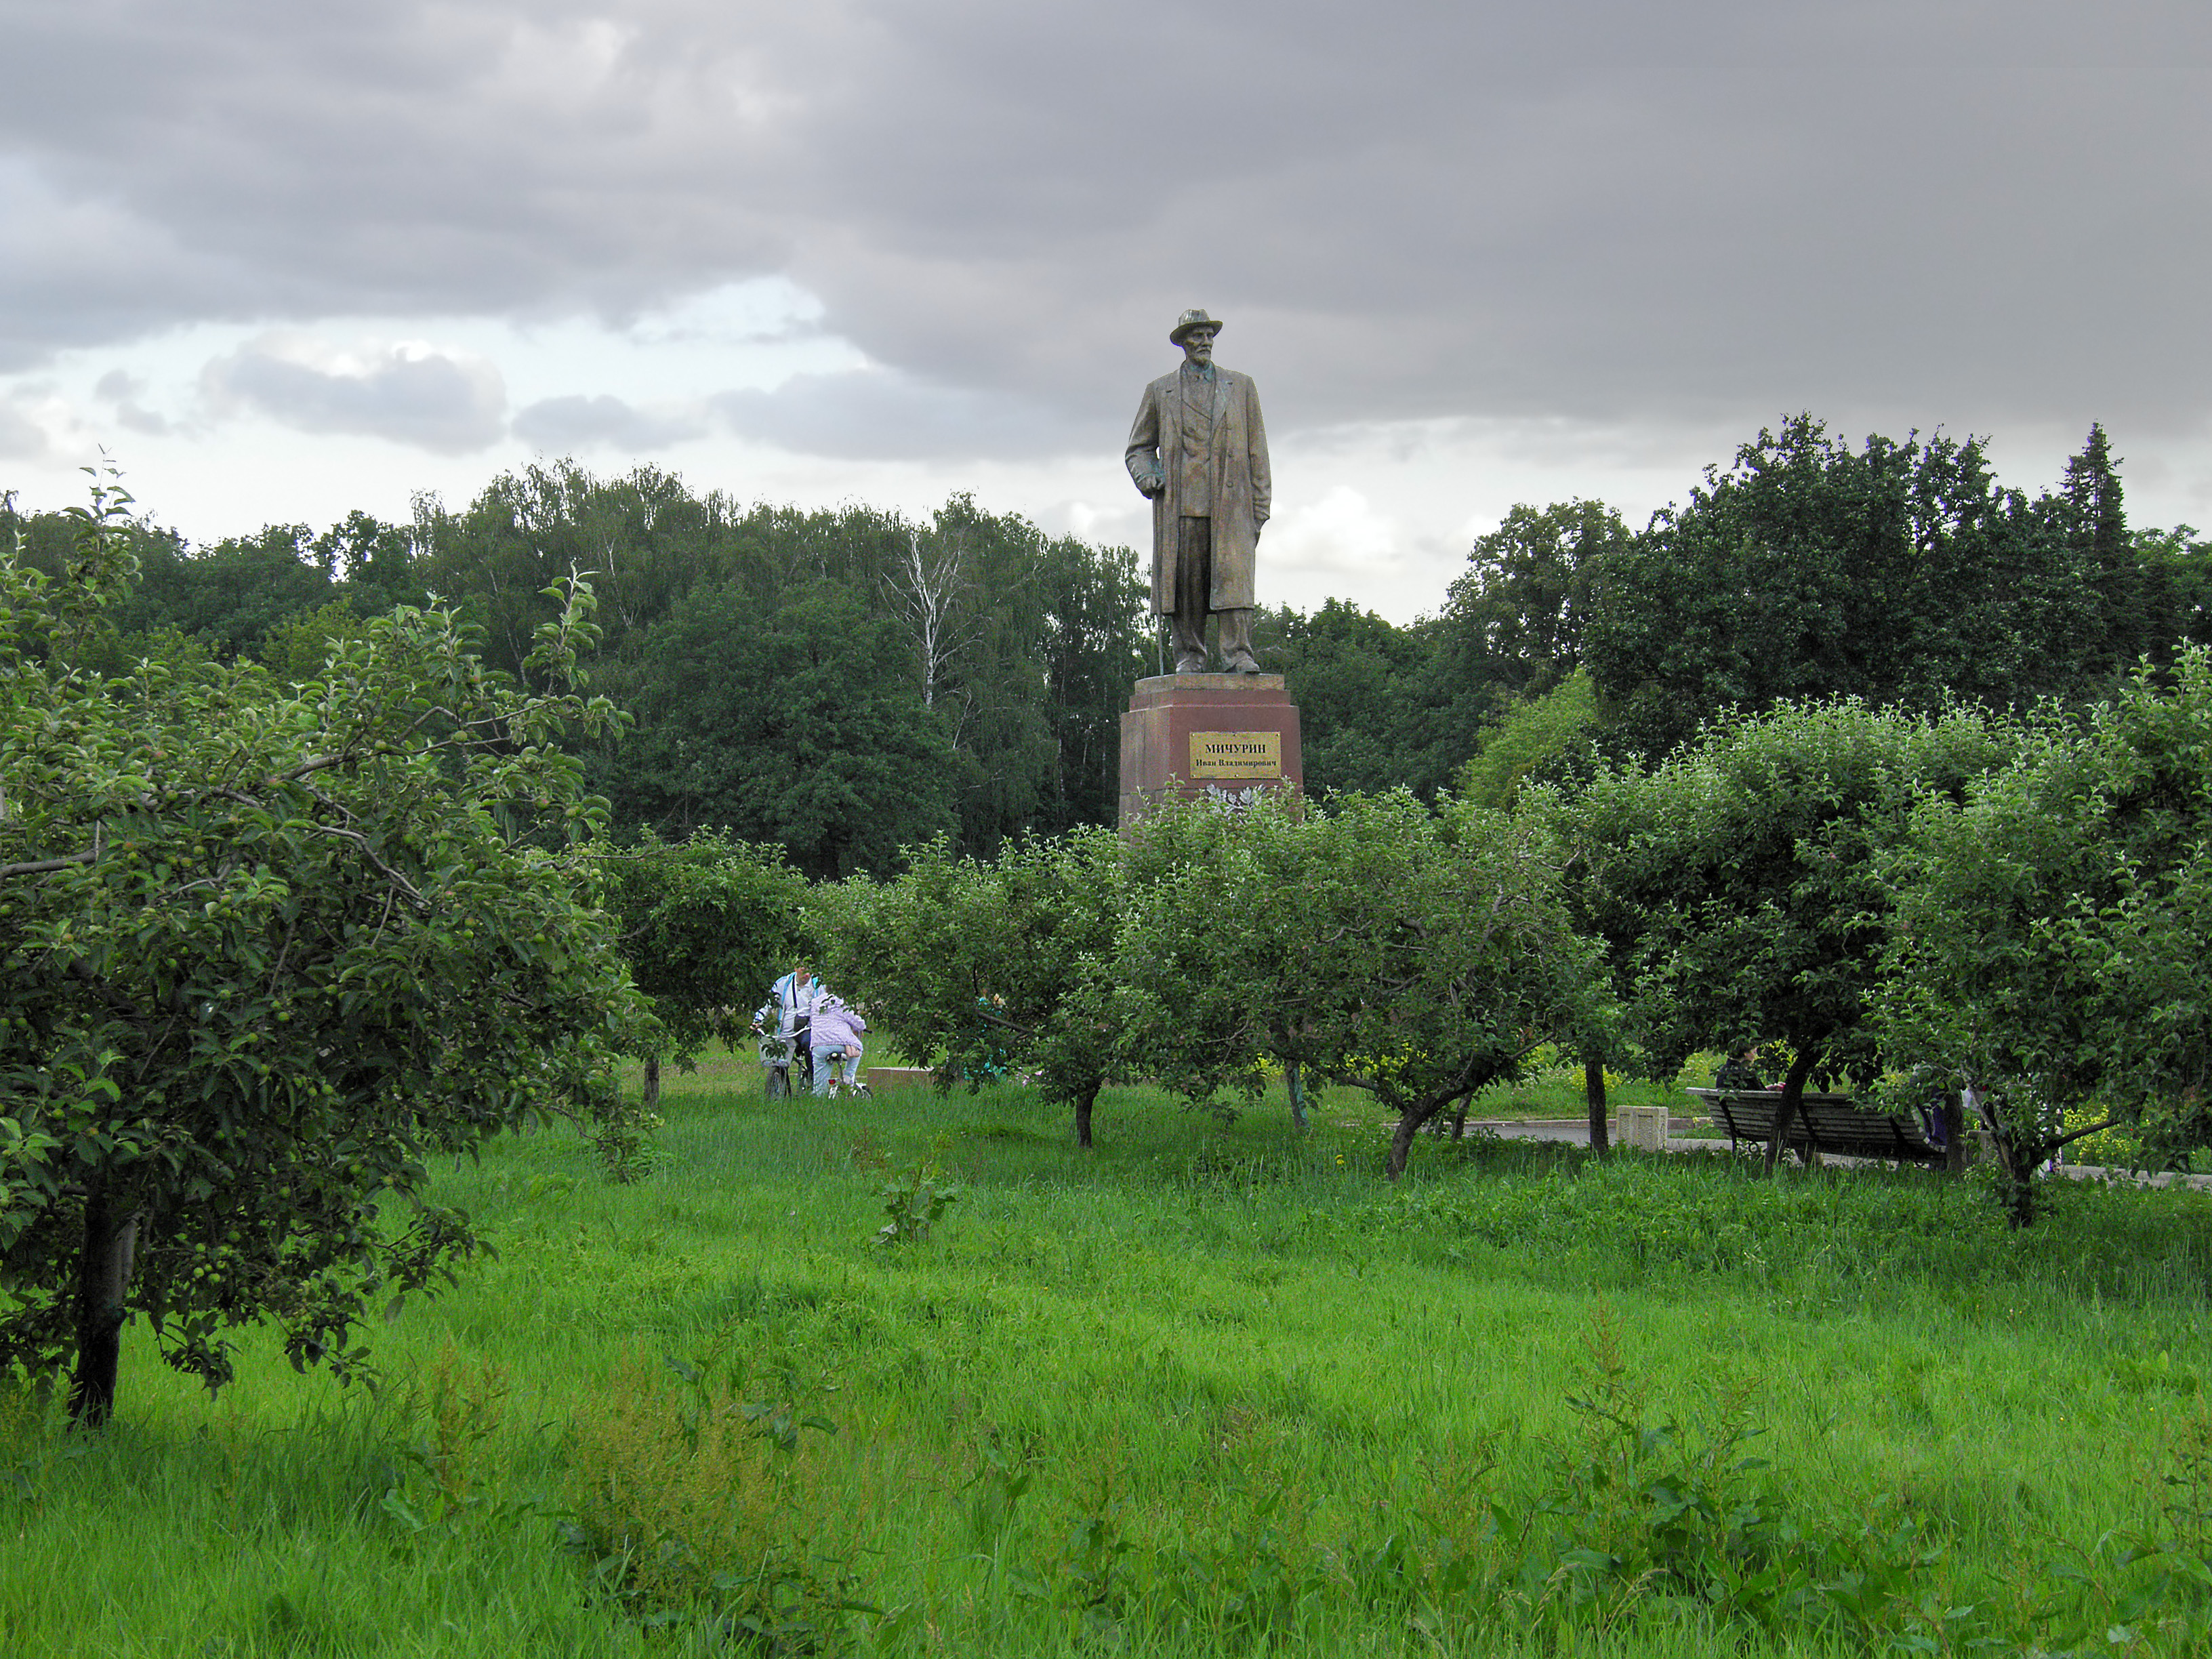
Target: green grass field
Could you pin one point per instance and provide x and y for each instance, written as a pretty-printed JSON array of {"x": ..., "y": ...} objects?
[{"x": 1212, "y": 1389}]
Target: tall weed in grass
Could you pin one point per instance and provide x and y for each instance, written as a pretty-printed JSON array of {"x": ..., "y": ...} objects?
[
  {"x": 1638, "y": 1527},
  {"x": 1685, "y": 1217},
  {"x": 2148, "y": 1586},
  {"x": 693, "y": 1507}
]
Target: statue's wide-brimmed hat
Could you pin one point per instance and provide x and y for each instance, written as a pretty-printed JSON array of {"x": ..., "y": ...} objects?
[{"x": 1188, "y": 321}]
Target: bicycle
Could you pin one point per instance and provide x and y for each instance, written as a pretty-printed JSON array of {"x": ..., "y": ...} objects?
[{"x": 839, "y": 1088}]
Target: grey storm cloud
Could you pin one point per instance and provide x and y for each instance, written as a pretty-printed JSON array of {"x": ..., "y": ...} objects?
[
  {"x": 570, "y": 425},
  {"x": 123, "y": 390},
  {"x": 866, "y": 412},
  {"x": 431, "y": 401},
  {"x": 1604, "y": 209},
  {"x": 21, "y": 438}
]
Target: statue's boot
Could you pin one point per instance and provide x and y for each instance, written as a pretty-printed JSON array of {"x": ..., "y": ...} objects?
[
  {"x": 1235, "y": 642},
  {"x": 1189, "y": 631}
]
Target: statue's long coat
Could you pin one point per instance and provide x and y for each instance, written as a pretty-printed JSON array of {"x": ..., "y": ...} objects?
[{"x": 1243, "y": 490}]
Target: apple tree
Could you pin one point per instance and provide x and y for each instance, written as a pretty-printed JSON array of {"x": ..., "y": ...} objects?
[
  {"x": 1743, "y": 880},
  {"x": 266, "y": 948},
  {"x": 2053, "y": 940},
  {"x": 1422, "y": 957},
  {"x": 976, "y": 965},
  {"x": 705, "y": 924}
]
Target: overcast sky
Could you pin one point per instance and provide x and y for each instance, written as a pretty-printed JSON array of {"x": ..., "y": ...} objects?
[{"x": 282, "y": 260}]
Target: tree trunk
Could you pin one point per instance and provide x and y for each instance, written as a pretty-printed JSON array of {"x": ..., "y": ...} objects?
[
  {"x": 1084, "y": 1103},
  {"x": 653, "y": 1083},
  {"x": 1954, "y": 1135},
  {"x": 1793, "y": 1096},
  {"x": 1294, "y": 1078},
  {"x": 1593, "y": 1096},
  {"x": 103, "y": 1281},
  {"x": 1409, "y": 1125},
  {"x": 2018, "y": 1161}
]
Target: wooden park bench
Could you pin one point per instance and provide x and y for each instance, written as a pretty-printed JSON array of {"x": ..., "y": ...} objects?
[{"x": 1824, "y": 1124}]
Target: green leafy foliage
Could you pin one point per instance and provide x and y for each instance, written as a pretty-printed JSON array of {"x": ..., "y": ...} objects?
[
  {"x": 1808, "y": 567},
  {"x": 1375, "y": 706},
  {"x": 706, "y": 925},
  {"x": 1539, "y": 738},
  {"x": 1894, "y": 572},
  {"x": 267, "y": 950},
  {"x": 796, "y": 724},
  {"x": 1517, "y": 613},
  {"x": 1739, "y": 883},
  {"x": 796, "y": 672},
  {"x": 2052, "y": 936},
  {"x": 1019, "y": 647},
  {"x": 914, "y": 1201},
  {"x": 983, "y": 967},
  {"x": 1419, "y": 957},
  {"x": 437, "y": 1491},
  {"x": 297, "y": 647}
]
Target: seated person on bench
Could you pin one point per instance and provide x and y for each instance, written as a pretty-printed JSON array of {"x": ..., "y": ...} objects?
[{"x": 1739, "y": 1070}]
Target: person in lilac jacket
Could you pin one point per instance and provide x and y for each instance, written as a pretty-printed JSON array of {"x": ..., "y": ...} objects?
[{"x": 836, "y": 1040}]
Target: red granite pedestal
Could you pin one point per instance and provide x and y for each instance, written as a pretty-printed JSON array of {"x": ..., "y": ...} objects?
[{"x": 1229, "y": 737}]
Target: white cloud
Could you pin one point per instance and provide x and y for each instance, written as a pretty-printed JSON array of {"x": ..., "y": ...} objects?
[
  {"x": 22, "y": 439},
  {"x": 1597, "y": 209},
  {"x": 575, "y": 425},
  {"x": 408, "y": 393},
  {"x": 869, "y": 413},
  {"x": 1339, "y": 535}
]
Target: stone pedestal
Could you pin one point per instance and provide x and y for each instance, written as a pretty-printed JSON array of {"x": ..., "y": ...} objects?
[
  {"x": 1230, "y": 738},
  {"x": 1644, "y": 1127}
]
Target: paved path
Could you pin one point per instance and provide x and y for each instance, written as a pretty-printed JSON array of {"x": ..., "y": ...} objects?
[{"x": 1576, "y": 1131}]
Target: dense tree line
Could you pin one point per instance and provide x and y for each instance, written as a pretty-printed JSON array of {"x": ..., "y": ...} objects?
[
  {"x": 843, "y": 683},
  {"x": 1900, "y": 572},
  {"x": 838, "y": 683}
]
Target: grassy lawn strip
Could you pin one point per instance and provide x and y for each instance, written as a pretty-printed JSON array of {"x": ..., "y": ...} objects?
[{"x": 1208, "y": 1390}]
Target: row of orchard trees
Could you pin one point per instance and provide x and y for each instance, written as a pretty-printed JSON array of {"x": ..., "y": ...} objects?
[
  {"x": 270, "y": 943},
  {"x": 1416, "y": 954},
  {"x": 1910, "y": 903}
]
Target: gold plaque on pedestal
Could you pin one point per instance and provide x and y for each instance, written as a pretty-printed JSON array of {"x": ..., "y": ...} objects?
[{"x": 1235, "y": 755}]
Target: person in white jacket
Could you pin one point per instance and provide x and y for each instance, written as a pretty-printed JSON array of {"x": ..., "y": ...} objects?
[{"x": 790, "y": 1003}]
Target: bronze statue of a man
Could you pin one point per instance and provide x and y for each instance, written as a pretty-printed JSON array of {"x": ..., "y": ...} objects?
[{"x": 1199, "y": 453}]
